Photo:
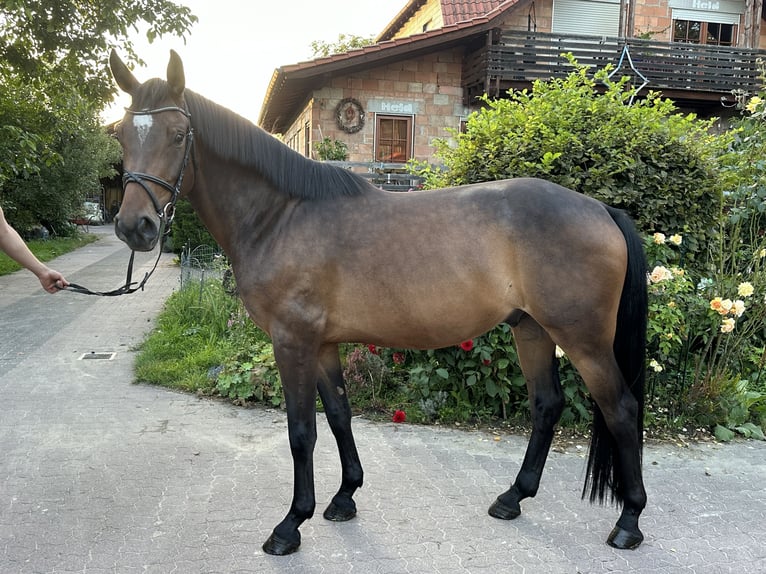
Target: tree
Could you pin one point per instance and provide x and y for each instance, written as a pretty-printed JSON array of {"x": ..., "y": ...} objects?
[
  {"x": 72, "y": 38},
  {"x": 54, "y": 81},
  {"x": 345, "y": 43}
]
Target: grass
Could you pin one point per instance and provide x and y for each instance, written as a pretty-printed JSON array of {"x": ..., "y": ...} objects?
[
  {"x": 47, "y": 249},
  {"x": 198, "y": 329}
]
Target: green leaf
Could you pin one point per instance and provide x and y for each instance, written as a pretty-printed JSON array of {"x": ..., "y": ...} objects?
[
  {"x": 751, "y": 430},
  {"x": 723, "y": 434},
  {"x": 443, "y": 373}
]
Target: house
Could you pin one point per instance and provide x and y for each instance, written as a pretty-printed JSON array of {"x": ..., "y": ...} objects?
[{"x": 388, "y": 101}]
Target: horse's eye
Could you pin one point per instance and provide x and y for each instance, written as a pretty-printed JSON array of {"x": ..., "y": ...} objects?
[{"x": 180, "y": 137}]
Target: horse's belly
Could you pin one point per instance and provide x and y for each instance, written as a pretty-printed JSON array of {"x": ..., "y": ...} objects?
[{"x": 425, "y": 322}]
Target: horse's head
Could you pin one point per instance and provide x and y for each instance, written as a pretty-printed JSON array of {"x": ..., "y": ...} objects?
[{"x": 157, "y": 140}]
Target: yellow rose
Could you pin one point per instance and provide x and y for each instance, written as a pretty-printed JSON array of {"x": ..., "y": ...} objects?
[
  {"x": 739, "y": 308},
  {"x": 752, "y": 105},
  {"x": 745, "y": 289},
  {"x": 676, "y": 239},
  {"x": 715, "y": 305},
  {"x": 659, "y": 238},
  {"x": 727, "y": 325}
]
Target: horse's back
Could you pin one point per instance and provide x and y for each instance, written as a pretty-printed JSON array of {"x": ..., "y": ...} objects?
[{"x": 431, "y": 268}]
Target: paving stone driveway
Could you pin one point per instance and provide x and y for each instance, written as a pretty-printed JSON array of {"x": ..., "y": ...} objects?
[{"x": 99, "y": 475}]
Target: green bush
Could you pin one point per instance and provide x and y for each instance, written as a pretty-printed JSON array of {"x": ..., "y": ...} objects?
[
  {"x": 188, "y": 230},
  {"x": 330, "y": 149},
  {"x": 658, "y": 165}
]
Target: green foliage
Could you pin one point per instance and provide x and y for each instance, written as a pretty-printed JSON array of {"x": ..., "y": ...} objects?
[
  {"x": 47, "y": 249},
  {"x": 252, "y": 374},
  {"x": 188, "y": 230},
  {"x": 71, "y": 38},
  {"x": 478, "y": 380},
  {"x": 53, "y": 83},
  {"x": 345, "y": 42},
  {"x": 706, "y": 345},
  {"x": 195, "y": 333},
  {"x": 329, "y": 149},
  {"x": 55, "y": 156},
  {"x": 644, "y": 158}
]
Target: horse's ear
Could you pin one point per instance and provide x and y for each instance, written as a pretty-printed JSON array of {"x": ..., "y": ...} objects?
[
  {"x": 124, "y": 77},
  {"x": 176, "y": 77}
]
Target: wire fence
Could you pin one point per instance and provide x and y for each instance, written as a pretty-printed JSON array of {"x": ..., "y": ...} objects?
[{"x": 203, "y": 263}]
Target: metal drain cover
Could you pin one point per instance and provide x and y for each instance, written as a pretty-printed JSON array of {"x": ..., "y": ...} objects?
[{"x": 94, "y": 355}]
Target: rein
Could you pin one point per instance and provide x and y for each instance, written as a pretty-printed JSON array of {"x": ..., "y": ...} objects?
[{"x": 166, "y": 213}]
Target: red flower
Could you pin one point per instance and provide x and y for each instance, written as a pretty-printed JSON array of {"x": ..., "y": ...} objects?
[
  {"x": 373, "y": 349},
  {"x": 467, "y": 345},
  {"x": 398, "y": 358},
  {"x": 487, "y": 362},
  {"x": 399, "y": 417}
]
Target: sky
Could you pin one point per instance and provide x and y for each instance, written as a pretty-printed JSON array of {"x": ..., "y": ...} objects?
[{"x": 232, "y": 51}]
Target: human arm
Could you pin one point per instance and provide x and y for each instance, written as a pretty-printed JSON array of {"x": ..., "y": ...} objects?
[{"x": 13, "y": 245}]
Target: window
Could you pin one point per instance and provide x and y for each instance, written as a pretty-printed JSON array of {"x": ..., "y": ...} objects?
[
  {"x": 393, "y": 138},
  {"x": 307, "y": 139},
  {"x": 711, "y": 33}
]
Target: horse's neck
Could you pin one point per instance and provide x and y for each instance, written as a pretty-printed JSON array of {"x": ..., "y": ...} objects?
[{"x": 233, "y": 203}]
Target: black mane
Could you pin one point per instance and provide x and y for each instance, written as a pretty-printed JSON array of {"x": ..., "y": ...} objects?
[{"x": 234, "y": 138}]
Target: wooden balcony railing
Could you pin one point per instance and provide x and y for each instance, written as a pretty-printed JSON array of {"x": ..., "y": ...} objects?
[{"x": 522, "y": 57}]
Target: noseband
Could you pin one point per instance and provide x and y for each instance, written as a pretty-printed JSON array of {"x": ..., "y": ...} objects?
[{"x": 166, "y": 212}]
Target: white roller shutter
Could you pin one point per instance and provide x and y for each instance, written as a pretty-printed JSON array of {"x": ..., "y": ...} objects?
[
  {"x": 591, "y": 17},
  {"x": 705, "y": 16}
]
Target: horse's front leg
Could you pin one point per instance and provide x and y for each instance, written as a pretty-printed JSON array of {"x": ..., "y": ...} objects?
[
  {"x": 298, "y": 370},
  {"x": 332, "y": 391}
]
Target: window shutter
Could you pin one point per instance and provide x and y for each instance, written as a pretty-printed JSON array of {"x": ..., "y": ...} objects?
[{"x": 590, "y": 17}]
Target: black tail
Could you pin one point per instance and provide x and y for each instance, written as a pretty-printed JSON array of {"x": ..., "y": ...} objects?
[{"x": 630, "y": 352}]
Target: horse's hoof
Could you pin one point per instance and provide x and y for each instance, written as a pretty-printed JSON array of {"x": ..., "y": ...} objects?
[
  {"x": 340, "y": 513},
  {"x": 503, "y": 511},
  {"x": 625, "y": 539},
  {"x": 278, "y": 546}
]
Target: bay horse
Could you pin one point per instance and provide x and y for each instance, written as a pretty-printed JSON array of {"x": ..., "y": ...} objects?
[{"x": 322, "y": 257}]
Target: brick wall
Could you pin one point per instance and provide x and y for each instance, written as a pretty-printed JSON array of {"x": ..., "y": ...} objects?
[{"x": 431, "y": 84}]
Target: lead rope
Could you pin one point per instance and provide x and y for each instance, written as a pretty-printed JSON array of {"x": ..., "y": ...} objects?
[{"x": 128, "y": 287}]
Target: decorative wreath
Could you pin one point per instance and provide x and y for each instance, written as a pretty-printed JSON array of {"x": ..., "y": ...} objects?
[{"x": 349, "y": 115}]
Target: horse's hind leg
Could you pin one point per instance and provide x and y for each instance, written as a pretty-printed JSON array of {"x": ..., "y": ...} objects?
[
  {"x": 616, "y": 448},
  {"x": 332, "y": 391},
  {"x": 536, "y": 355}
]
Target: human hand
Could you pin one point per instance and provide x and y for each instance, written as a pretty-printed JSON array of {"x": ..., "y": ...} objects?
[{"x": 52, "y": 281}]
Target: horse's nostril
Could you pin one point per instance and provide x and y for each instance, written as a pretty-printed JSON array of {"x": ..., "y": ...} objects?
[{"x": 147, "y": 227}]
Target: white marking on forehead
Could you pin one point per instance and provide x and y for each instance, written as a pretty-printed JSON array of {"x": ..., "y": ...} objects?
[{"x": 143, "y": 124}]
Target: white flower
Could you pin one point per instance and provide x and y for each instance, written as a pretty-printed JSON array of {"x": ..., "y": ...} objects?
[
  {"x": 739, "y": 307},
  {"x": 727, "y": 325},
  {"x": 660, "y": 273},
  {"x": 659, "y": 238},
  {"x": 656, "y": 366},
  {"x": 676, "y": 239}
]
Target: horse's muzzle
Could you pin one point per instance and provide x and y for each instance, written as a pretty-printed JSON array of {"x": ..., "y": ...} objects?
[{"x": 141, "y": 236}]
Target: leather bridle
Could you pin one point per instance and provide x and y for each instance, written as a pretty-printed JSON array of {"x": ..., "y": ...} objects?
[{"x": 165, "y": 212}]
